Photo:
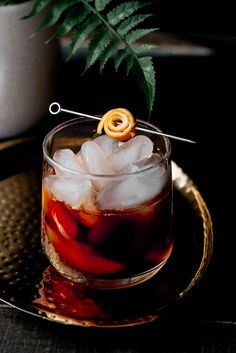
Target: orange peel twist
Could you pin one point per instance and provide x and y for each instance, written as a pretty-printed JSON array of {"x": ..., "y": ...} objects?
[{"x": 118, "y": 123}]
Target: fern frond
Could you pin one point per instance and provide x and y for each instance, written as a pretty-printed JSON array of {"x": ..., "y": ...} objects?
[
  {"x": 97, "y": 45},
  {"x": 130, "y": 23},
  {"x": 38, "y": 6},
  {"x": 55, "y": 13},
  {"x": 82, "y": 33},
  {"x": 101, "y": 4},
  {"x": 130, "y": 59},
  {"x": 111, "y": 33},
  {"x": 143, "y": 49},
  {"x": 144, "y": 71},
  {"x": 137, "y": 34},
  {"x": 108, "y": 52},
  {"x": 75, "y": 17},
  {"x": 119, "y": 58},
  {"x": 122, "y": 11}
]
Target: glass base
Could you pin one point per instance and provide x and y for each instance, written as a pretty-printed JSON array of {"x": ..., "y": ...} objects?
[{"x": 94, "y": 282}]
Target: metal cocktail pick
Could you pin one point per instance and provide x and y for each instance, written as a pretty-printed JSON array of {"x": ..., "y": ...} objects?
[{"x": 55, "y": 108}]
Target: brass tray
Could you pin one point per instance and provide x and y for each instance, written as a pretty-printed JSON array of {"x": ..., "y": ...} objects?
[{"x": 30, "y": 284}]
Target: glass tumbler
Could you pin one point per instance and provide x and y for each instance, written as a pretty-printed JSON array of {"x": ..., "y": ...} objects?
[{"x": 106, "y": 205}]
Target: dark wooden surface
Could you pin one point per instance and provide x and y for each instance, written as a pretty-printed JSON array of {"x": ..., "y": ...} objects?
[{"x": 195, "y": 98}]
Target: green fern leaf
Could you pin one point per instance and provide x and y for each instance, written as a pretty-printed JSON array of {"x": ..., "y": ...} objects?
[
  {"x": 130, "y": 23},
  {"x": 101, "y": 4},
  {"x": 138, "y": 34},
  {"x": 130, "y": 59},
  {"x": 115, "y": 35},
  {"x": 82, "y": 33},
  {"x": 143, "y": 49},
  {"x": 55, "y": 13},
  {"x": 38, "y": 6},
  {"x": 120, "y": 12},
  {"x": 145, "y": 73},
  {"x": 108, "y": 52},
  {"x": 97, "y": 45},
  {"x": 75, "y": 17},
  {"x": 119, "y": 58}
]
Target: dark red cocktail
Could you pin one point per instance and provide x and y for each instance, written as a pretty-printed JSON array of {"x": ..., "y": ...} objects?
[{"x": 107, "y": 206}]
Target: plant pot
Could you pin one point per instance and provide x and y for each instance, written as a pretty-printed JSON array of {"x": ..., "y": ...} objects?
[{"x": 27, "y": 70}]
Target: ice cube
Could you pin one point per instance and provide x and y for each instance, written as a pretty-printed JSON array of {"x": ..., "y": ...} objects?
[
  {"x": 66, "y": 158},
  {"x": 94, "y": 159},
  {"x": 118, "y": 195},
  {"x": 80, "y": 162},
  {"x": 132, "y": 151},
  {"x": 95, "y": 162},
  {"x": 143, "y": 164},
  {"x": 130, "y": 168},
  {"x": 149, "y": 162},
  {"x": 73, "y": 191},
  {"x": 133, "y": 190},
  {"x": 107, "y": 144}
]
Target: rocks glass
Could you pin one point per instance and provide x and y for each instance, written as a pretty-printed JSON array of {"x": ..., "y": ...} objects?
[{"x": 106, "y": 205}]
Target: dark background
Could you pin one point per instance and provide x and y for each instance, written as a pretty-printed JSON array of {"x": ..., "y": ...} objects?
[
  {"x": 195, "y": 98},
  {"x": 202, "y": 17}
]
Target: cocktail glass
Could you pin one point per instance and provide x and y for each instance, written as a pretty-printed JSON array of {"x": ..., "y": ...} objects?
[{"x": 106, "y": 205}]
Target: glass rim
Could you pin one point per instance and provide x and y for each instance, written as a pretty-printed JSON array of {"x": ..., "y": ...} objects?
[{"x": 73, "y": 172}]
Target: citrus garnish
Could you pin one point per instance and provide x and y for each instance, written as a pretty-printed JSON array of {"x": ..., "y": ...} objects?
[{"x": 118, "y": 123}]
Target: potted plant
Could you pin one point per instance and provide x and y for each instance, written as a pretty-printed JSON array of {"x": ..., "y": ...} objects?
[
  {"x": 113, "y": 30},
  {"x": 27, "y": 69}
]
